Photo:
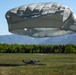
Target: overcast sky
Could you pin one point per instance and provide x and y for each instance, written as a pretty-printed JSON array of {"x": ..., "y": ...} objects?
[{"x": 6, "y": 5}]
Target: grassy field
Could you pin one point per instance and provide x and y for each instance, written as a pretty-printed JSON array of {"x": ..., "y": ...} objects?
[{"x": 54, "y": 64}]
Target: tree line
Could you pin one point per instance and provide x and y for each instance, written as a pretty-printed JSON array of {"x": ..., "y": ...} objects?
[{"x": 16, "y": 48}]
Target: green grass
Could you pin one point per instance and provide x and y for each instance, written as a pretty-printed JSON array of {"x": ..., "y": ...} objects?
[{"x": 56, "y": 64}]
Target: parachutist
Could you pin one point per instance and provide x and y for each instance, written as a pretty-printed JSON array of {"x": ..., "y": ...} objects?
[{"x": 32, "y": 61}]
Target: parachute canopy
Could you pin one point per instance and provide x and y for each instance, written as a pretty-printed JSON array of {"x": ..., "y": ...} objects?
[{"x": 41, "y": 20}]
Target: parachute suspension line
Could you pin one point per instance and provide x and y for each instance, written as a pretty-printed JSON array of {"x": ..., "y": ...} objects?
[
  {"x": 66, "y": 21},
  {"x": 64, "y": 24},
  {"x": 39, "y": 32},
  {"x": 46, "y": 32}
]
